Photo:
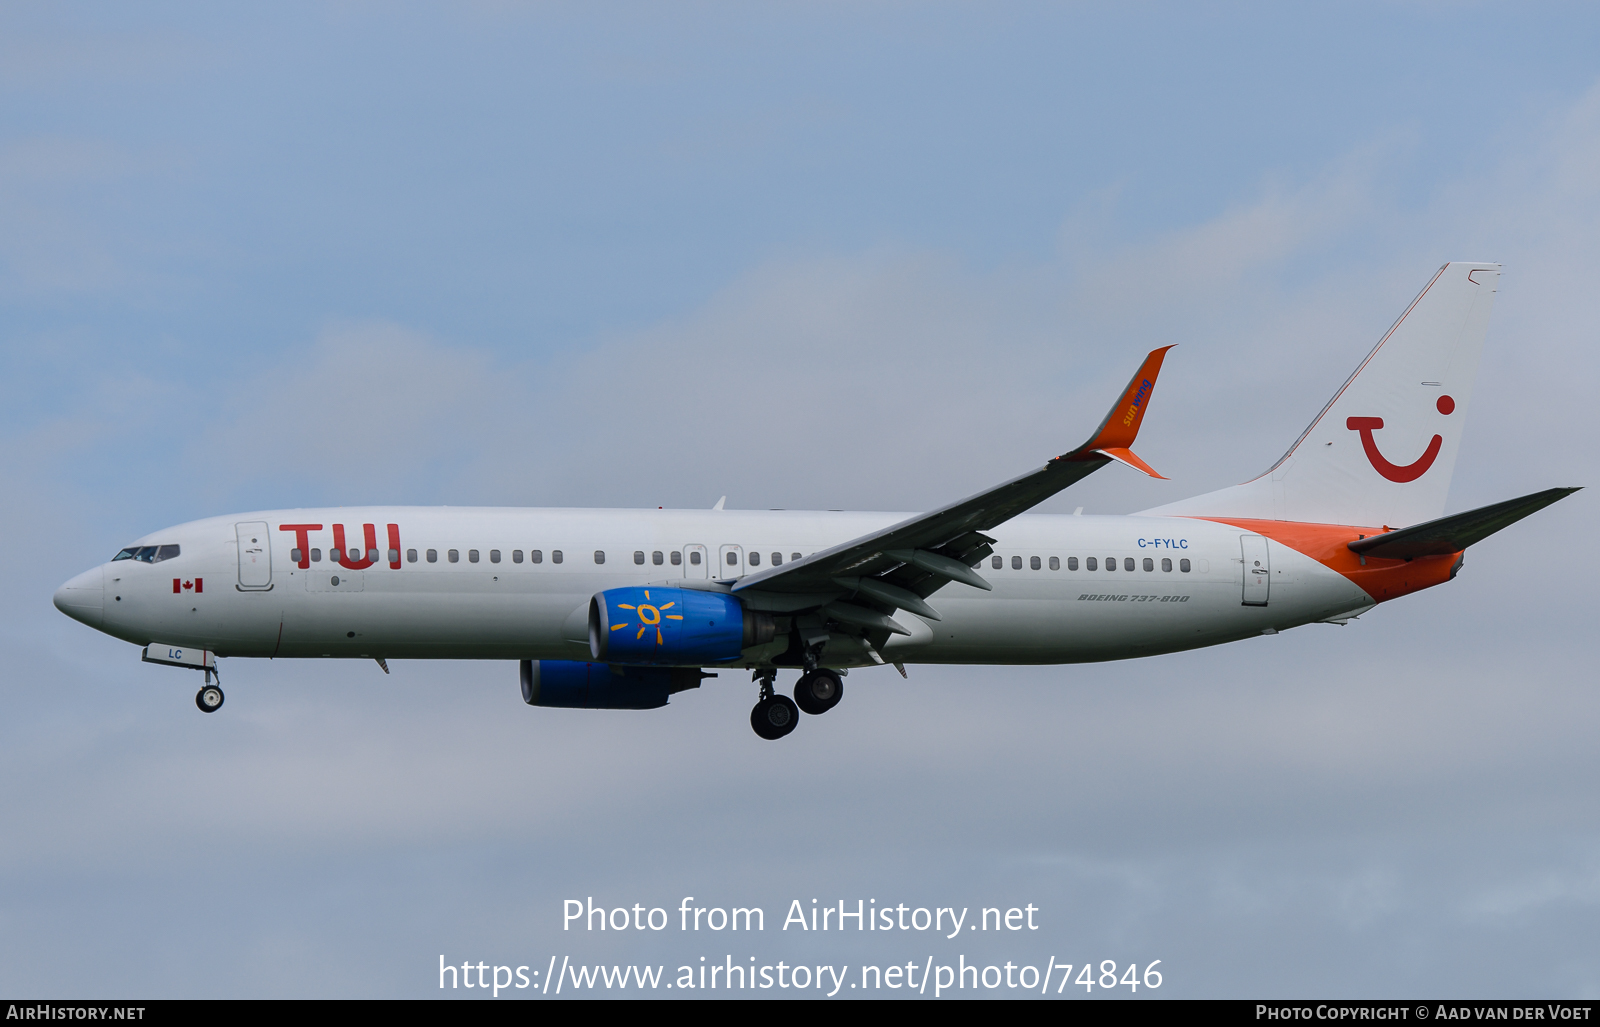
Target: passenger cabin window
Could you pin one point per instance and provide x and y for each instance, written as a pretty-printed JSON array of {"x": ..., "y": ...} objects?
[
  {"x": 516, "y": 556},
  {"x": 295, "y": 555},
  {"x": 997, "y": 562},
  {"x": 599, "y": 556},
  {"x": 755, "y": 559},
  {"x": 733, "y": 559},
  {"x": 1166, "y": 565},
  {"x": 433, "y": 555},
  {"x": 536, "y": 556},
  {"x": 1055, "y": 563},
  {"x": 694, "y": 559},
  {"x": 1127, "y": 563},
  {"x": 472, "y": 556},
  {"x": 677, "y": 558},
  {"x": 1183, "y": 565},
  {"x": 394, "y": 556},
  {"x": 316, "y": 555},
  {"x": 638, "y": 557},
  {"x": 655, "y": 558},
  {"x": 411, "y": 556},
  {"x": 494, "y": 556},
  {"x": 454, "y": 556},
  {"x": 1111, "y": 563},
  {"x": 1033, "y": 562},
  {"x": 372, "y": 555},
  {"x": 555, "y": 556},
  {"x": 1149, "y": 564},
  {"x": 1016, "y": 563},
  {"x": 777, "y": 559},
  {"x": 793, "y": 557}
]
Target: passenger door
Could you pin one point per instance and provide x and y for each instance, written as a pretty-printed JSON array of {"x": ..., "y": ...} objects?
[
  {"x": 730, "y": 562},
  {"x": 1257, "y": 569},
  {"x": 255, "y": 555},
  {"x": 695, "y": 564}
]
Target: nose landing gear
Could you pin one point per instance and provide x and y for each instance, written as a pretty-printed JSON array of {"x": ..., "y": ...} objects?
[{"x": 210, "y": 697}]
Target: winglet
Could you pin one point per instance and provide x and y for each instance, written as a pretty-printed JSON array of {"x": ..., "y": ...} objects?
[
  {"x": 1127, "y": 456},
  {"x": 1121, "y": 426}
]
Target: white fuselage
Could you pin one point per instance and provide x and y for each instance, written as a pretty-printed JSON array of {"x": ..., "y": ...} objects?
[{"x": 236, "y": 597}]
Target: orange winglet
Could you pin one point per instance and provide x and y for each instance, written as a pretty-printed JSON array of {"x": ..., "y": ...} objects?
[
  {"x": 1127, "y": 456},
  {"x": 1121, "y": 426}
]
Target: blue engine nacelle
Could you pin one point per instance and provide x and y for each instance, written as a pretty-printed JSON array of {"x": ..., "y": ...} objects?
[
  {"x": 672, "y": 627},
  {"x": 596, "y": 686}
]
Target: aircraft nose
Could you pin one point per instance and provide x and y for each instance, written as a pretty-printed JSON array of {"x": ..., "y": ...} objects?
[{"x": 84, "y": 597}]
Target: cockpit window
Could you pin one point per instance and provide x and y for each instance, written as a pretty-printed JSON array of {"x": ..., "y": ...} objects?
[{"x": 147, "y": 554}]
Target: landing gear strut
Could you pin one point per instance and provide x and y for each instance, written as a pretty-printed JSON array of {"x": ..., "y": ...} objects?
[
  {"x": 774, "y": 715},
  {"x": 210, "y": 697},
  {"x": 818, "y": 691}
]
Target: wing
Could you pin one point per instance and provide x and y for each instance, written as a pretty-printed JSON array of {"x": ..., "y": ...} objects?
[{"x": 857, "y": 585}]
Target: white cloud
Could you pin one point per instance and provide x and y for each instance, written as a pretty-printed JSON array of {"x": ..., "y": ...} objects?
[{"x": 899, "y": 379}]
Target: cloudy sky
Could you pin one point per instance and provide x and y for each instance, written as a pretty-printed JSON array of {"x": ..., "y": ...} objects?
[{"x": 868, "y": 256}]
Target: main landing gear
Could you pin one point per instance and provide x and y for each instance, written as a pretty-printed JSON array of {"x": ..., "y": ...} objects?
[
  {"x": 818, "y": 691},
  {"x": 210, "y": 696},
  {"x": 774, "y": 716}
]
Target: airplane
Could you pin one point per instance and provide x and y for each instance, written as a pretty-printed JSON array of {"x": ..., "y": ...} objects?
[{"x": 621, "y": 609}]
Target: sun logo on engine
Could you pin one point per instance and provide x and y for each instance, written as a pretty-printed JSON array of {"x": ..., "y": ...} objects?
[{"x": 649, "y": 617}]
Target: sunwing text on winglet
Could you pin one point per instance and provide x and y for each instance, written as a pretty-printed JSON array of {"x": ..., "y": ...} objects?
[{"x": 1121, "y": 426}]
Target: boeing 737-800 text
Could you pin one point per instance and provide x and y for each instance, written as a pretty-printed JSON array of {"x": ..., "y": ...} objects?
[{"x": 618, "y": 609}]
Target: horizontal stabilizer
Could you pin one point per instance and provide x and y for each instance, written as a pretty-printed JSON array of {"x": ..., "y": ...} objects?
[{"x": 1456, "y": 532}]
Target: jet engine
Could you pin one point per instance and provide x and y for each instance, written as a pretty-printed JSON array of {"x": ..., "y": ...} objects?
[
  {"x": 596, "y": 686},
  {"x": 672, "y": 627}
]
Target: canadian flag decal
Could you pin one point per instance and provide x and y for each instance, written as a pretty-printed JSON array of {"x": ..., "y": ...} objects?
[{"x": 179, "y": 586}]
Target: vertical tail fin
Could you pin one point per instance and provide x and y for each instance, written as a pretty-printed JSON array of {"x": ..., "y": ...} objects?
[{"x": 1382, "y": 451}]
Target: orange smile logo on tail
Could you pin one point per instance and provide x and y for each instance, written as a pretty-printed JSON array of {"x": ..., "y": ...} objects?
[{"x": 1395, "y": 472}]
